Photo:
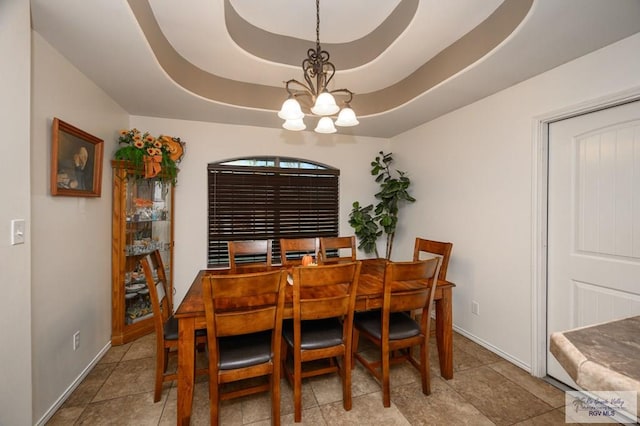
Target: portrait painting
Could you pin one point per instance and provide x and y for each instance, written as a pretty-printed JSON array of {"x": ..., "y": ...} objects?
[{"x": 76, "y": 161}]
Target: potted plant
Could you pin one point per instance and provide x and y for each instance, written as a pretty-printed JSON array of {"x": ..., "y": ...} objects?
[
  {"x": 369, "y": 223},
  {"x": 154, "y": 156}
]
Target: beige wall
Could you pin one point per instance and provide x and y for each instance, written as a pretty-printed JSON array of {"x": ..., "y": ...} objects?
[
  {"x": 71, "y": 236},
  {"x": 210, "y": 142},
  {"x": 475, "y": 168},
  {"x": 15, "y": 315}
]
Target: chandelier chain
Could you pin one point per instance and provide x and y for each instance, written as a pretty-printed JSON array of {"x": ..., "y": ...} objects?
[{"x": 318, "y": 25}]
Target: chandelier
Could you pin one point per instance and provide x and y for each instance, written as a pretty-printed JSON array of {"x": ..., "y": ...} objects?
[{"x": 315, "y": 95}]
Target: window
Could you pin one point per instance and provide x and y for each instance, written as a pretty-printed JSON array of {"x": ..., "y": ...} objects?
[{"x": 269, "y": 198}]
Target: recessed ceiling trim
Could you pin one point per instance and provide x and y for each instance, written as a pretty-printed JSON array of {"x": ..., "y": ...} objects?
[
  {"x": 278, "y": 48},
  {"x": 461, "y": 54},
  {"x": 455, "y": 58},
  {"x": 196, "y": 80}
]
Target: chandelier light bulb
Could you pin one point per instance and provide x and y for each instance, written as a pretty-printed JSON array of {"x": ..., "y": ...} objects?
[
  {"x": 295, "y": 124},
  {"x": 325, "y": 125},
  {"x": 291, "y": 110},
  {"x": 325, "y": 104},
  {"x": 347, "y": 117}
]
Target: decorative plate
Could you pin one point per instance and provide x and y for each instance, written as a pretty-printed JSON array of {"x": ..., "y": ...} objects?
[{"x": 134, "y": 287}]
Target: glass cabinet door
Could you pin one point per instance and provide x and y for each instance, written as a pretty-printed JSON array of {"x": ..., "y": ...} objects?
[
  {"x": 148, "y": 228},
  {"x": 142, "y": 223}
]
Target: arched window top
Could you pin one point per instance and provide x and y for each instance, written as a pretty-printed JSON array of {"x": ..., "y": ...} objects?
[
  {"x": 260, "y": 198},
  {"x": 270, "y": 161}
]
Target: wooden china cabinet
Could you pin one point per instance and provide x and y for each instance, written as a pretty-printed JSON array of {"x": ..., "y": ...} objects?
[{"x": 142, "y": 223}]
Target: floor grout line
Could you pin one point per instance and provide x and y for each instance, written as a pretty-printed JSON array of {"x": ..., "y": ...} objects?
[{"x": 326, "y": 412}]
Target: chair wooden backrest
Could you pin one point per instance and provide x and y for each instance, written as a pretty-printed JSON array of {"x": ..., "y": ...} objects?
[
  {"x": 400, "y": 292},
  {"x": 238, "y": 305},
  {"x": 438, "y": 248},
  {"x": 249, "y": 249},
  {"x": 297, "y": 247},
  {"x": 325, "y": 291},
  {"x": 159, "y": 294},
  {"x": 328, "y": 244}
]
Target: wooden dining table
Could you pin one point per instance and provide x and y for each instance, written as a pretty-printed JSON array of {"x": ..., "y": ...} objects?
[{"x": 191, "y": 316}]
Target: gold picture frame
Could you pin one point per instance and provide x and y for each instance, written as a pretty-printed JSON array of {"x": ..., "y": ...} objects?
[{"x": 76, "y": 161}]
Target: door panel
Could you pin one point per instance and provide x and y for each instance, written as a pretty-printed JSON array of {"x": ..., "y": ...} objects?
[
  {"x": 593, "y": 221},
  {"x": 600, "y": 304}
]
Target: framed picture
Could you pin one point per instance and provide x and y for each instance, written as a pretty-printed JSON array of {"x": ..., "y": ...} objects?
[{"x": 76, "y": 161}]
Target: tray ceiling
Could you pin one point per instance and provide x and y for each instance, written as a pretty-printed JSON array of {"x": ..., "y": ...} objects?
[{"x": 408, "y": 61}]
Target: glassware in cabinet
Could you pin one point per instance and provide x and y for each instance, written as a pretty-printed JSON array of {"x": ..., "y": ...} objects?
[{"x": 142, "y": 223}]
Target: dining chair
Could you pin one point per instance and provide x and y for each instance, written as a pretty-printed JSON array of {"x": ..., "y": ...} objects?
[
  {"x": 407, "y": 286},
  {"x": 432, "y": 247},
  {"x": 244, "y": 331},
  {"x": 322, "y": 326},
  {"x": 249, "y": 254},
  {"x": 166, "y": 326},
  {"x": 292, "y": 250},
  {"x": 330, "y": 249}
]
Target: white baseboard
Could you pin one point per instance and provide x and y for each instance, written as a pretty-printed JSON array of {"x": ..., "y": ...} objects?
[
  {"x": 493, "y": 349},
  {"x": 52, "y": 410}
]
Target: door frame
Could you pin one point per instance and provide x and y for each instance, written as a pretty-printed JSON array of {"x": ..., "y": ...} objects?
[{"x": 539, "y": 191}]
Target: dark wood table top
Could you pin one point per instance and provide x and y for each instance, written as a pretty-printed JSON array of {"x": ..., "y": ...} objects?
[{"x": 369, "y": 289}]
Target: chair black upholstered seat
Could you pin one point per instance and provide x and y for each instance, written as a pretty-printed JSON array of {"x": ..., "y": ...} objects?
[
  {"x": 170, "y": 329},
  {"x": 244, "y": 351},
  {"x": 315, "y": 334},
  {"x": 401, "y": 325}
]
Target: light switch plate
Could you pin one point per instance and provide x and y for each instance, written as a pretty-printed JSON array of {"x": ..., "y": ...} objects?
[{"x": 17, "y": 231}]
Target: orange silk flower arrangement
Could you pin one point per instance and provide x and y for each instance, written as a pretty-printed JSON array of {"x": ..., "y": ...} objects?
[{"x": 156, "y": 156}]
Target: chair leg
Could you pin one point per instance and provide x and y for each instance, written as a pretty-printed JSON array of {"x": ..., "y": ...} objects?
[
  {"x": 425, "y": 368},
  {"x": 346, "y": 381},
  {"x": 354, "y": 346},
  {"x": 161, "y": 361},
  {"x": 283, "y": 357},
  {"x": 297, "y": 388},
  {"x": 214, "y": 398},
  {"x": 275, "y": 394},
  {"x": 386, "y": 393},
  {"x": 166, "y": 359}
]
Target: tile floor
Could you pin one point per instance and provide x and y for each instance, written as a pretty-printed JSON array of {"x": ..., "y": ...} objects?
[{"x": 485, "y": 390}]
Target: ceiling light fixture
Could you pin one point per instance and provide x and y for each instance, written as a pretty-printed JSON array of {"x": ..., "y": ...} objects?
[{"x": 316, "y": 97}]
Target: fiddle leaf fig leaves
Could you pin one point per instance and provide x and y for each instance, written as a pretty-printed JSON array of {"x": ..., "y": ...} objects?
[{"x": 393, "y": 193}]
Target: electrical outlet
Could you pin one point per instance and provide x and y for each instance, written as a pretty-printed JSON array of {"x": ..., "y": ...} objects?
[
  {"x": 475, "y": 308},
  {"x": 76, "y": 340}
]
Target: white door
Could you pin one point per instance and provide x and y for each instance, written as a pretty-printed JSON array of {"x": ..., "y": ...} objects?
[{"x": 593, "y": 221}]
